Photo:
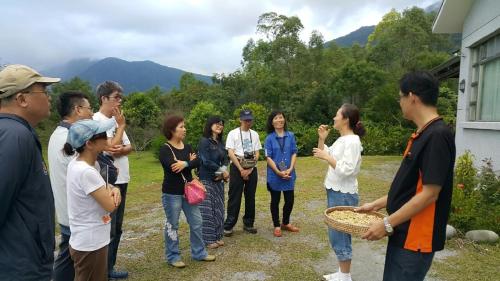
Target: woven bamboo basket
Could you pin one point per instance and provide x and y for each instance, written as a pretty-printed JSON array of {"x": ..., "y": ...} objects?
[{"x": 355, "y": 230}]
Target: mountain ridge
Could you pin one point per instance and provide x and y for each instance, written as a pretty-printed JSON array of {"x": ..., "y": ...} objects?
[{"x": 133, "y": 76}]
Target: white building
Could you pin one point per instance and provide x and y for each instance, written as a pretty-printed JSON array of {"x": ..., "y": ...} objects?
[{"x": 478, "y": 108}]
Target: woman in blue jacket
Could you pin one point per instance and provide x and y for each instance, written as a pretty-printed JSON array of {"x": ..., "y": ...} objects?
[
  {"x": 281, "y": 154},
  {"x": 213, "y": 173}
]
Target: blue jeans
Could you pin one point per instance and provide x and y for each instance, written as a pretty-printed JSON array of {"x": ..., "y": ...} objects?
[
  {"x": 341, "y": 242},
  {"x": 173, "y": 204}
]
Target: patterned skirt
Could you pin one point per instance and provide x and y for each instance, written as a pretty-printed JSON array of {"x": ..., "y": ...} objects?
[{"x": 212, "y": 211}]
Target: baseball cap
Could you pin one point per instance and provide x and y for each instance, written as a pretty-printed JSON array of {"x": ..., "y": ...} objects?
[
  {"x": 82, "y": 131},
  {"x": 16, "y": 77},
  {"x": 246, "y": 114}
]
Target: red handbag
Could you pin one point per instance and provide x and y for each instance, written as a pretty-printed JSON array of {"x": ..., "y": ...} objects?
[{"x": 194, "y": 191}]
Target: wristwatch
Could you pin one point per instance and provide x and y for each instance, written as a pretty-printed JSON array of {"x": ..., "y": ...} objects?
[{"x": 388, "y": 227}]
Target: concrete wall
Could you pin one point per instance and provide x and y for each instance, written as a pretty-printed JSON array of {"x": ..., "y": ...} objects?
[{"x": 481, "y": 138}]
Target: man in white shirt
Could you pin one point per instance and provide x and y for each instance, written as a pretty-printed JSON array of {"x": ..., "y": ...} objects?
[
  {"x": 243, "y": 145},
  {"x": 72, "y": 106},
  {"x": 109, "y": 94}
]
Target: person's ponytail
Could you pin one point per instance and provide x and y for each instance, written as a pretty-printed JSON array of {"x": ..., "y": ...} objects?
[
  {"x": 359, "y": 129},
  {"x": 68, "y": 149},
  {"x": 351, "y": 112}
]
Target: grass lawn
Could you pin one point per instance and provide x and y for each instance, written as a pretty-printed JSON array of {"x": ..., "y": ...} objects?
[{"x": 300, "y": 256}]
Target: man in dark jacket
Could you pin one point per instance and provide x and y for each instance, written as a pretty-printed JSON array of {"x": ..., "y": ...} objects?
[{"x": 26, "y": 200}]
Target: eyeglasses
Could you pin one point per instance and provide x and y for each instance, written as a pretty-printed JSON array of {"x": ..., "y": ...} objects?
[
  {"x": 220, "y": 124},
  {"x": 87, "y": 107},
  {"x": 402, "y": 96},
  {"x": 37, "y": 92},
  {"x": 117, "y": 98}
]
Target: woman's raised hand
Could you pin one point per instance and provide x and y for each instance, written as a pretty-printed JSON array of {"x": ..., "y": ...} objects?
[{"x": 323, "y": 132}]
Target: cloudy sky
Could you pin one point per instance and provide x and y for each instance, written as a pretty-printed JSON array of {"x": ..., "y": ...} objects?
[{"x": 200, "y": 36}]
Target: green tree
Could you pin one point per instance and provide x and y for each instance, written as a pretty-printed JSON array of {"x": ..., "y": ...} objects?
[
  {"x": 195, "y": 122},
  {"x": 359, "y": 81},
  {"x": 275, "y": 26},
  {"x": 143, "y": 118},
  {"x": 401, "y": 37},
  {"x": 155, "y": 94},
  {"x": 190, "y": 93},
  {"x": 447, "y": 105},
  {"x": 274, "y": 66}
]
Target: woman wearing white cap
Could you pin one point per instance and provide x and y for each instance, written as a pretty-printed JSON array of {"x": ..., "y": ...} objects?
[{"x": 90, "y": 200}]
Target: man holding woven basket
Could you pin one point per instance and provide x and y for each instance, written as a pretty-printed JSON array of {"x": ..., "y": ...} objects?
[{"x": 419, "y": 199}]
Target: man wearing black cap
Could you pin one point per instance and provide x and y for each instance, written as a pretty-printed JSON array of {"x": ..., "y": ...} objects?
[
  {"x": 26, "y": 200},
  {"x": 243, "y": 145}
]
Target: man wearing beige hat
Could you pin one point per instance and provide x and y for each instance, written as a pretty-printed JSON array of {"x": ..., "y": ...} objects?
[{"x": 26, "y": 201}]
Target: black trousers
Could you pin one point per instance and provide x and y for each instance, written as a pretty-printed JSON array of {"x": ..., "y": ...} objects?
[
  {"x": 237, "y": 187},
  {"x": 63, "y": 265},
  {"x": 116, "y": 227},
  {"x": 402, "y": 264},
  {"x": 275, "y": 205}
]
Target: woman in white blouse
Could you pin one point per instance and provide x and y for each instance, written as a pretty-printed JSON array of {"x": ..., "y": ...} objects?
[{"x": 344, "y": 159}]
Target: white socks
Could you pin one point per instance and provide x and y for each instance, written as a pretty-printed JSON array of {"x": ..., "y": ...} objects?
[
  {"x": 344, "y": 276},
  {"x": 338, "y": 276}
]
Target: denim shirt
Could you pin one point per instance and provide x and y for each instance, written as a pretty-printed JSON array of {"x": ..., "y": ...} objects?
[
  {"x": 213, "y": 155},
  {"x": 273, "y": 151}
]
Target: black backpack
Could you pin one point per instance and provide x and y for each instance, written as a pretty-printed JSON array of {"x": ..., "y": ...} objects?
[{"x": 108, "y": 170}]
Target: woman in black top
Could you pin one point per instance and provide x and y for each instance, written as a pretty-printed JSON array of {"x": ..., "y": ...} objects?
[
  {"x": 213, "y": 172},
  {"x": 178, "y": 160}
]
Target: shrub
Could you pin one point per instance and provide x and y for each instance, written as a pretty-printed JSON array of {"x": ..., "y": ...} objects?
[
  {"x": 383, "y": 139},
  {"x": 463, "y": 209},
  {"x": 143, "y": 118},
  {"x": 195, "y": 122},
  {"x": 476, "y": 196},
  {"x": 489, "y": 184},
  {"x": 465, "y": 173},
  {"x": 156, "y": 144},
  {"x": 307, "y": 137}
]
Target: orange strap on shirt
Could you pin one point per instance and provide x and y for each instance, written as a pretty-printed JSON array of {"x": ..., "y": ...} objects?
[{"x": 417, "y": 134}]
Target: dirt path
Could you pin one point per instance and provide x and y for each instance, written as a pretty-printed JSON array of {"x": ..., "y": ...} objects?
[{"x": 299, "y": 256}]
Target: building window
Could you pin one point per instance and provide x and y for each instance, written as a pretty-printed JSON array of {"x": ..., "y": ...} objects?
[{"x": 484, "y": 99}]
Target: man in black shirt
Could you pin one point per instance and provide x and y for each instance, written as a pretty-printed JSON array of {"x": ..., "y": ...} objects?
[
  {"x": 26, "y": 200},
  {"x": 419, "y": 199}
]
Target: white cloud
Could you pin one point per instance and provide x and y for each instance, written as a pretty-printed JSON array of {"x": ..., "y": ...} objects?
[{"x": 196, "y": 35}]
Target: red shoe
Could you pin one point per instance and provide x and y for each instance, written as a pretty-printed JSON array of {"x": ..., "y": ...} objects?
[
  {"x": 289, "y": 227},
  {"x": 277, "y": 232}
]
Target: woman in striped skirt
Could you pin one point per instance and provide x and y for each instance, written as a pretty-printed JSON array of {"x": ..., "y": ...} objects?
[{"x": 213, "y": 173}]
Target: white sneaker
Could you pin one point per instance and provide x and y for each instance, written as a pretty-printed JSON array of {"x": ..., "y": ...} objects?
[
  {"x": 332, "y": 277},
  {"x": 338, "y": 276}
]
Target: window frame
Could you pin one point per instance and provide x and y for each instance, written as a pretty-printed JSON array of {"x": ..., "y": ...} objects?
[{"x": 479, "y": 58}]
